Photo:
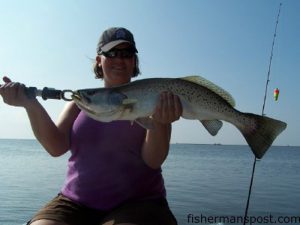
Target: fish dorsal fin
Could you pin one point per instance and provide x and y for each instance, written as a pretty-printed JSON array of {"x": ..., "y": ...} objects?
[{"x": 211, "y": 86}]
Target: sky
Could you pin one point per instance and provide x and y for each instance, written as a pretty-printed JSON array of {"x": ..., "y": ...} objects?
[{"x": 52, "y": 43}]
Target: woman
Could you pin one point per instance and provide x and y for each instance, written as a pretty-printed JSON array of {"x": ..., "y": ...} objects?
[{"x": 114, "y": 172}]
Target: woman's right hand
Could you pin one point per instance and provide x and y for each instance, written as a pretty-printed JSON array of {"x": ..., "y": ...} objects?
[
  {"x": 13, "y": 93},
  {"x": 54, "y": 138}
]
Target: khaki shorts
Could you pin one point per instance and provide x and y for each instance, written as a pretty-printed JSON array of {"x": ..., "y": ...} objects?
[{"x": 147, "y": 212}]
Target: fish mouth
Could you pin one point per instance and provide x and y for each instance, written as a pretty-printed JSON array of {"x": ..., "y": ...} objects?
[
  {"x": 78, "y": 99},
  {"x": 76, "y": 96}
]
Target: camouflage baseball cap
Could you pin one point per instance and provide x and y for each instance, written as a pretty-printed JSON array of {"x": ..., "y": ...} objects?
[{"x": 113, "y": 37}]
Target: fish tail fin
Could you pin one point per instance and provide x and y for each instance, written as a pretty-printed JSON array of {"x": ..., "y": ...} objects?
[{"x": 261, "y": 134}]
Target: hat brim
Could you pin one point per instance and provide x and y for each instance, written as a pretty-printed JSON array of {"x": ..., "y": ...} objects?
[{"x": 113, "y": 44}]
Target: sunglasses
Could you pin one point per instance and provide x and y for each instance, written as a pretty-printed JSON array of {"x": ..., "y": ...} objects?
[{"x": 121, "y": 53}]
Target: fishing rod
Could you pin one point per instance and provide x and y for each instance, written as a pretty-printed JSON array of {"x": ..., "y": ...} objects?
[{"x": 263, "y": 114}]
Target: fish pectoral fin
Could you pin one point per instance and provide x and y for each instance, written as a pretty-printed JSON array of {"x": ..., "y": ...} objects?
[
  {"x": 128, "y": 104},
  {"x": 129, "y": 101},
  {"x": 146, "y": 122},
  {"x": 212, "y": 126}
]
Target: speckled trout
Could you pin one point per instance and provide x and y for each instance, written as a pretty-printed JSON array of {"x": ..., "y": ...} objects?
[{"x": 201, "y": 100}]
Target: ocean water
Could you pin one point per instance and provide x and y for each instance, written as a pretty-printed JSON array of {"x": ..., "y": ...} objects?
[{"x": 205, "y": 183}]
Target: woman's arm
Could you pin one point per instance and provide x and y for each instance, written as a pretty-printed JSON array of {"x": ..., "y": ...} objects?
[
  {"x": 156, "y": 146},
  {"x": 53, "y": 137}
]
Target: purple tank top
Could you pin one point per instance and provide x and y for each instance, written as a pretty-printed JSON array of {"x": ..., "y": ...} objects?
[{"x": 106, "y": 167}]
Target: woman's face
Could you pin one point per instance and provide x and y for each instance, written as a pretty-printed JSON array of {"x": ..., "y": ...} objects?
[{"x": 117, "y": 70}]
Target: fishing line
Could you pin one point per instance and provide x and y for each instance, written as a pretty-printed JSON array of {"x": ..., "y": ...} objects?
[
  {"x": 262, "y": 113},
  {"x": 270, "y": 63}
]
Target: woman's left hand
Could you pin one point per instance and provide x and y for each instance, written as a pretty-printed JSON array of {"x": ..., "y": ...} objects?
[
  {"x": 157, "y": 141},
  {"x": 169, "y": 108}
]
